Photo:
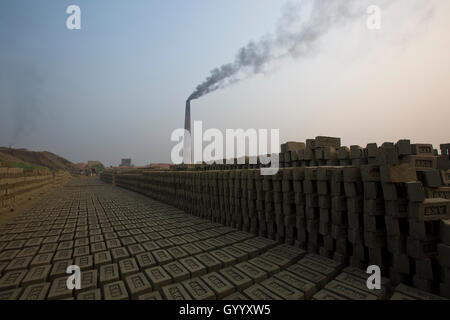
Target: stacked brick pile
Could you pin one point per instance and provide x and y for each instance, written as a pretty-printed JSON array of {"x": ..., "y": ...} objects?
[
  {"x": 360, "y": 206},
  {"x": 15, "y": 184}
]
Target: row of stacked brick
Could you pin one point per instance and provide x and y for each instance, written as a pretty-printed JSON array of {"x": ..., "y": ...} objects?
[
  {"x": 16, "y": 184},
  {"x": 327, "y": 151},
  {"x": 388, "y": 211}
]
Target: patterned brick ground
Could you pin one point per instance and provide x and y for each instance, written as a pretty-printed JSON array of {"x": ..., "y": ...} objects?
[{"x": 131, "y": 247}]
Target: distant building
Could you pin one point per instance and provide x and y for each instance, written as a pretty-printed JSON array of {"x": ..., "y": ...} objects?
[{"x": 125, "y": 163}]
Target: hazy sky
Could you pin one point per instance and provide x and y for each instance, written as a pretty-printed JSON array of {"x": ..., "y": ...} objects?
[{"x": 117, "y": 87}]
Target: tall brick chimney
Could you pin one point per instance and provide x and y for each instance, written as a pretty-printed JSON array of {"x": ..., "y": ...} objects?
[{"x": 187, "y": 151}]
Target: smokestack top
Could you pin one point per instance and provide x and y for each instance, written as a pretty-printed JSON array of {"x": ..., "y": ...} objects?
[
  {"x": 187, "y": 119},
  {"x": 187, "y": 154}
]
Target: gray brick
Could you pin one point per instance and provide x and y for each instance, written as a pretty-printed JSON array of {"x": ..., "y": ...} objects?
[
  {"x": 59, "y": 269},
  {"x": 136, "y": 249},
  {"x": 119, "y": 254},
  {"x": 191, "y": 248},
  {"x": 115, "y": 291},
  {"x": 164, "y": 243},
  {"x": 226, "y": 259},
  {"x": 89, "y": 280},
  {"x": 175, "y": 292},
  {"x": 204, "y": 246},
  {"x": 113, "y": 243},
  {"x": 102, "y": 258},
  {"x": 250, "y": 250},
  {"x": 59, "y": 290},
  {"x": 81, "y": 242},
  {"x": 218, "y": 284},
  {"x": 109, "y": 273},
  {"x": 96, "y": 238},
  {"x": 15, "y": 244},
  {"x": 162, "y": 256},
  {"x": 150, "y": 246},
  {"x": 258, "y": 292},
  {"x": 18, "y": 264},
  {"x": 360, "y": 284},
  {"x": 198, "y": 289},
  {"x": 308, "y": 274},
  {"x": 422, "y": 149},
  {"x": 37, "y": 275},
  {"x": 305, "y": 286},
  {"x": 145, "y": 260},
  {"x": 195, "y": 267},
  {"x": 177, "y": 253},
  {"x": 158, "y": 277},
  {"x": 65, "y": 245},
  {"x": 62, "y": 255},
  {"x": 95, "y": 294},
  {"x": 236, "y": 296},
  {"x": 36, "y": 291},
  {"x": 211, "y": 263},
  {"x": 98, "y": 247},
  {"x": 349, "y": 292},
  {"x": 137, "y": 285},
  {"x": 27, "y": 252},
  {"x": 128, "y": 266},
  {"x": 318, "y": 267},
  {"x": 8, "y": 255},
  {"x": 415, "y": 293},
  {"x": 327, "y": 295},
  {"x": 430, "y": 209},
  {"x": 255, "y": 273},
  {"x": 81, "y": 251},
  {"x": 51, "y": 240},
  {"x": 282, "y": 289},
  {"x": 12, "y": 279},
  {"x": 240, "y": 255},
  {"x": 276, "y": 259},
  {"x": 288, "y": 252},
  {"x": 444, "y": 231},
  {"x": 48, "y": 248},
  {"x": 85, "y": 262},
  {"x": 415, "y": 191},
  {"x": 11, "y": 294},
  {"x": 265, "y": 265},
  {"x": 42, "y": 259},
  {"x": 151, "y": 296},
  {"x": 177, "y": 271},
  {"x": 363, "y": 275}
]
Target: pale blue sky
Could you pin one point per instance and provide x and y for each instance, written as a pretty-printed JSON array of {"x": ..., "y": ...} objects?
[{"x": 116, "y": 88}]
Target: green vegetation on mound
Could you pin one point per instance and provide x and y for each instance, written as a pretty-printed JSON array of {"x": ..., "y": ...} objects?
[{"x": 25, "y": 166}]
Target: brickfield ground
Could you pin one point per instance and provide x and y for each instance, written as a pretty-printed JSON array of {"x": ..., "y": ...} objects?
[{"x": 131, "y": 247}]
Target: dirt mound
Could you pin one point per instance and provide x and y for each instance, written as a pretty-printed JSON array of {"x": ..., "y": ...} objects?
[{"x": 42, "y": 158}]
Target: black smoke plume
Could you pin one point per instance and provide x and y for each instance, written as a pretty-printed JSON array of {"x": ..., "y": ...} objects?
[{"x": 299, "y": 28}]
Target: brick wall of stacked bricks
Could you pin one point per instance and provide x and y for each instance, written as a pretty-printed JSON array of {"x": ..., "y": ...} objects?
[
  {"x": 15, "y": 183},
  {"x": 385, "y": 205}
]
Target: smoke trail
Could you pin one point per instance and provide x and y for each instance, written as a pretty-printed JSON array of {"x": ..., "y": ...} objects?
[
  {"x": 22, "y": 94},
  {"x": 299, "y": 28}
]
